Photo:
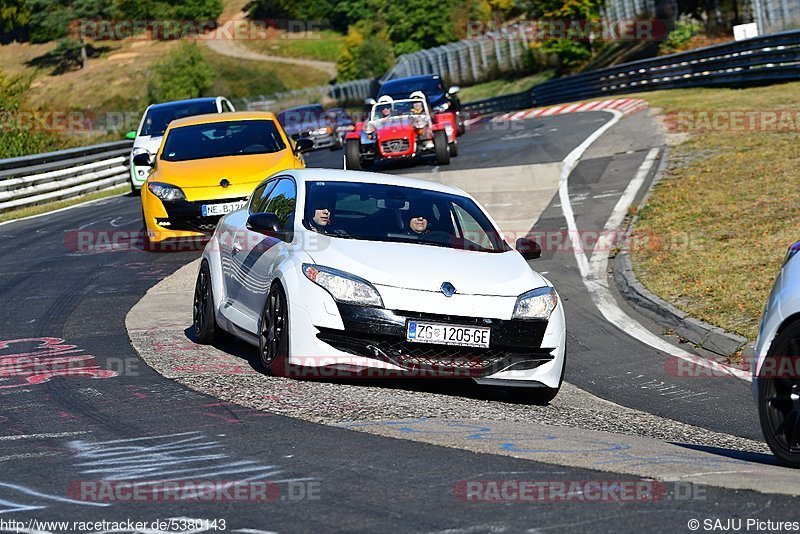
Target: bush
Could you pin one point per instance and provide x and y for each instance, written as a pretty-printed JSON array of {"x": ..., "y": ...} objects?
[
  {"x": 685, "y": 29},
  {"x": 184, "y": 74},
  {"x": 18, "y": 141},
  {"x": 366, "y": 53}
]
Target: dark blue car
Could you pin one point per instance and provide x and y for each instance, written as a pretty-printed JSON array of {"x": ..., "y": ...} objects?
[{"x": 439, "y": 99}]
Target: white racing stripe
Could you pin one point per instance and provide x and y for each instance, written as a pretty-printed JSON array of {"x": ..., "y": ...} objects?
[{"x": 594, "y": 273}]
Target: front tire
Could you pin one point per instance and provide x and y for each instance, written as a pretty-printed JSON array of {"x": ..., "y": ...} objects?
[
  {"x": 352, "y": 155},
  {"x": 779, "y": 396},
  {"x": 453, "y": 150},
  {"x": 442, "y": 147},
  {"x": 204, "y": 322},
  {"x": 273, "y": 338}
]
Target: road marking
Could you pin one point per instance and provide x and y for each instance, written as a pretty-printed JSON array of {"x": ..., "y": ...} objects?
[
  {"x": 79, "y": 205},
  {"x": 42, "y": 436},
  {"x": 594, "y": 275}
]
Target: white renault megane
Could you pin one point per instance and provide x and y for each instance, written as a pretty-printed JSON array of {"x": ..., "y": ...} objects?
[{"x": 362, "y": 272}]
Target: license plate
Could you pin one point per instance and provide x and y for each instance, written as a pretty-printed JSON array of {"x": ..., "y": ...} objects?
[
  {"x": 448, "y": 334},
  {"x": 210, "y": 210}
]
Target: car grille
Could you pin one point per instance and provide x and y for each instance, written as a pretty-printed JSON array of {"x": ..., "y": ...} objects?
[
  {"x": 440, "y": 360},
  {"x": 195, "y": 224},
  {"x": 394, "y": 146}
]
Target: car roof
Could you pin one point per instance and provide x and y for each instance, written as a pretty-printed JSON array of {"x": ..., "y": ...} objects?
[
  {"x": 222, "y": 117},
  {"x": 338, "y": 175},
  {"x": 179, "y": 103},
  {"x": 423, "y": 77}
]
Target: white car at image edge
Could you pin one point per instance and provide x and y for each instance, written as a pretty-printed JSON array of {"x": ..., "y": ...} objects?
[
  {"x": 324, "y": 269},
  {"x": 148, "y": 136},
  {"x": 776, "y": 369}
]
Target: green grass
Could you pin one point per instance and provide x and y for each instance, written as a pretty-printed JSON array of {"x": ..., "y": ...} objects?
[
  {"x": 502, "y": 86},
  {"x": 715, "y": 229},
  {"x": 322, "y": 46},
  {"x": 52, "y": 206}
]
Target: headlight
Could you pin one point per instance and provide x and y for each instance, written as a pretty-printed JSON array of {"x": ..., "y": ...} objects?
[
  {"x": 347, "y": 128},
  {"x": 441, "y": 107},
  {"x": 369, "y": 128},
  {"x": 536, "y": 304},
  {"x": 343, "y": 287},
  {"x": 321, "y": 131},
  {"x": 166, "y": 192}
]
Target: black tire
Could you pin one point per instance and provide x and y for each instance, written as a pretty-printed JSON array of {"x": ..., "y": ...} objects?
[
  {"x": 461, "y": 128},
  {"x": 273, "y": 332},
  {"x": 337, "y": 144},
  {"x": 442, "y": 147},
  {"x": 453, "y": 150},
  {"x": 778, "y": 383},
  {"x": 134, "y": 191},
  {"x": 204, "y": 323},
  {"x": 352, "y": 154},
  {"x": 538, "y": 396}
]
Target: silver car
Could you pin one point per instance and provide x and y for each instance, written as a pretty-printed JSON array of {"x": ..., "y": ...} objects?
[{"x": 776, "y": 368}]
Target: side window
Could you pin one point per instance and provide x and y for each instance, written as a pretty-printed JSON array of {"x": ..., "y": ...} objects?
[
  {"x": 259, "y": 196},
  {"x": 471, "y": 229},
  {"x": 282, "y": 201}
]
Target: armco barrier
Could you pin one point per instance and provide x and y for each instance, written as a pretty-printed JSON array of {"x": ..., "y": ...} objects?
[
  {"x": 757, "y": 61},
  {"x": 31, "y": 180}
]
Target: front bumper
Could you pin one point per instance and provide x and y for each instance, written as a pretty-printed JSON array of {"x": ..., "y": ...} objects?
[
  {"x": 381, "y": 334},
  {"x": 180, "y": 219},
  {"x": 320, "y": 141}
]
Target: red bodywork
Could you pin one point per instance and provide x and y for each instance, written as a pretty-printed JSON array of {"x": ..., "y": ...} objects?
[{"x": 403, "y": 131}]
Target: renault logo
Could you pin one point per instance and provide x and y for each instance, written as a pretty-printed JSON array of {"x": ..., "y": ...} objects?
[
  {"x": 224, "y": 182},
  {"x": 448, "y": 289}
]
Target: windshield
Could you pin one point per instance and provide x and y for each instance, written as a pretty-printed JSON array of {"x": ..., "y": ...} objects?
[
  {"x": 157, "y": 119},
  {"x": 399, "y": 108},
  {"x": 219, "y": 139},
  {"x": 402, "y": 89},
  {"x": 376, "y": 212}
]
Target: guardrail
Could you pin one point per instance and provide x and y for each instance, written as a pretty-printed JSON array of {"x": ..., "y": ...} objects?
[
  {"x": 495, "y": 104},
  {"x": 31, "y": 180},
  {"x": 757, "y": 61}
]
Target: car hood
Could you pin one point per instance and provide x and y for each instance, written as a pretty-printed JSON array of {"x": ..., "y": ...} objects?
[
  {"x": 394, "y": 128},
  {"x": 294, "y": 127},
  {"x": 151, "y": 144},
  {"x": 211, "y": 171},
  {"x": 427, "y": 267}
]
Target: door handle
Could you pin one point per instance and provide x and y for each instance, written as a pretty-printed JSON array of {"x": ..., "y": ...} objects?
[{"x": 236, "y": 247}]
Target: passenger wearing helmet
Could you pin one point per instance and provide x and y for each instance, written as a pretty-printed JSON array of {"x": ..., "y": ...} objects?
[{"x": 417, "y": 108}]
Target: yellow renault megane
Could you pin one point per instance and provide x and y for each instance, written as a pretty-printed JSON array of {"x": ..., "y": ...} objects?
[{"x": 207, "y": 166}]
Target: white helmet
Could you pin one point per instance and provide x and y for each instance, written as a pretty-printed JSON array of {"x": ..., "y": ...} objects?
[
  {"x": 385, "y": 99},
  {"x": 417, "y": 94}
]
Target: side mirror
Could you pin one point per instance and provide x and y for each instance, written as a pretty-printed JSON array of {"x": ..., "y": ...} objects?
[
  {"x": 529, "y": 248},
  {"x": 267, "y": 224},
  {"x": 303, "y": 145},
  {"x": 369, "y": 101},
  {"x": 131, "y": 135},
  {"x": 143, "y": 159},
  {"x": 453, "y": 90}
]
